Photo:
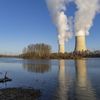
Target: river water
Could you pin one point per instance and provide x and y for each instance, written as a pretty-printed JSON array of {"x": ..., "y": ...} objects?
[{"x": 56, "y": 79}]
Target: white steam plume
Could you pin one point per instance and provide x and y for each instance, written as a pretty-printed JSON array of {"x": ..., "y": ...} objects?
[
  {"x": 57, "y": 9},
  {"x": 87, "y": 10}
]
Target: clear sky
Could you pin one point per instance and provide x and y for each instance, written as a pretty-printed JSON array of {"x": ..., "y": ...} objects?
[{"x": 24, "y": 22}]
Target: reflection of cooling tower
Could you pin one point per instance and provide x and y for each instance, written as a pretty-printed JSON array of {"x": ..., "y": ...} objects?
[
  {"x": 61, "y": 48},
  {"x": 83, "y": 88},
  {"x": 62, "y": 70},
  {"x": 63, "y": 86},
  {"x": 81, "y": 72},
  {"x": 80, "y": 44}
]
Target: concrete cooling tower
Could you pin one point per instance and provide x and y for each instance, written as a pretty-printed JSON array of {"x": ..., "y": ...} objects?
[
  {"x": 61, "y": 48},
  {"x": 80, "y": 43}
]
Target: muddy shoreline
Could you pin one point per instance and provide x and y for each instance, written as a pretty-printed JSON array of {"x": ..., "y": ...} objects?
[{"x": 19, "y": 94}]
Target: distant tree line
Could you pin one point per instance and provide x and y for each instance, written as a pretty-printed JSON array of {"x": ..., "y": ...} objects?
[
  {"x": 44, "y": 51},
  {"x": 76, "y": 55},
  {"x": 37, "y": 51}
]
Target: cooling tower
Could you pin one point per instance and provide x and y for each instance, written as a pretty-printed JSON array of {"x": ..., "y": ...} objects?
[
  {"x": 80, "y": 43},
  {"x": 61, "y": 48}
]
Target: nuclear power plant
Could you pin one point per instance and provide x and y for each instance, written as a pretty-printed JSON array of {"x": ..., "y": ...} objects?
[
  {"x": 80, "y": 43},
  {"x": 80, "y": 23}
]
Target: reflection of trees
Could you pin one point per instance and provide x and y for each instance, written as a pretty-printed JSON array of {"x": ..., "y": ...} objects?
[
  {"x": 37, "y": 67},
  {"x": 83, "y": 87},
  {"x": 62, "y": 88}
]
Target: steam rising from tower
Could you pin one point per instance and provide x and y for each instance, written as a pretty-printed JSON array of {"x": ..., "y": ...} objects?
[
  {"x": 57, "y": 9},
  {"x": 86, "y": 11},
  {"x": 85, "y": 14}
]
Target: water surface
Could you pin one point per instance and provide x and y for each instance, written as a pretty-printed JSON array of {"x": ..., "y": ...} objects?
[{"x": 57, "y": 79}]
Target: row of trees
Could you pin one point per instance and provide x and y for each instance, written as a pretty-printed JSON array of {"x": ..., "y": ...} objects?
[
  {"x": 37, "y": 51},
  {"x": 43, "y": 51}
]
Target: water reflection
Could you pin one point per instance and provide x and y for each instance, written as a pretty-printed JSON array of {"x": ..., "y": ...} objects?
[
  {"x": 62, "y": 88},
  {"x": 65, "y": 80},
  {"x": 38, "y": 66},
  {"x": 83, "y": 88}
]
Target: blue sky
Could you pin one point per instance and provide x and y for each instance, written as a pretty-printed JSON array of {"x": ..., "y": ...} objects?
[{"x": 24, "y": 22}]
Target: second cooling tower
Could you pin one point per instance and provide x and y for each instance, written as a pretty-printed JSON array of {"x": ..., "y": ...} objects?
[
  {"x": 80, "y": 43},
  {"x": 61, "y": 48}
]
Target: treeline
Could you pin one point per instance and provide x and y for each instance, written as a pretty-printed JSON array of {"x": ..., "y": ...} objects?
[
  {"x": 36, "y": 51},
  {"x": 44, "y": 51},
  {"x": 75, "y": 55},
  {"x": 9, "y": 56}
]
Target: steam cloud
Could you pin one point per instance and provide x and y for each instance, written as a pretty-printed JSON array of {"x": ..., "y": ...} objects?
[
  {"x": 57, "y": 9},
  {"x": 87, "y": 10}
]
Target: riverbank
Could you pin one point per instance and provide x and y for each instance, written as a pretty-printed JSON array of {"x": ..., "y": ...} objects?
[
  {"x": 72, "y": 55},
  {"x": 78, "y": 55},
  {"x": 19, "y": 94}
]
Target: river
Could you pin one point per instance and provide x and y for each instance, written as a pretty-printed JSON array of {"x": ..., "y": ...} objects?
[{"x": 56, "y": 79}]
